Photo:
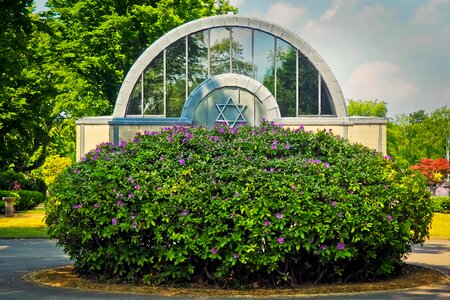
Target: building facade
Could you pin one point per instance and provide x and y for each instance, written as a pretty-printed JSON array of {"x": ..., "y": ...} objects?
[{"x": 232, "y": 70}]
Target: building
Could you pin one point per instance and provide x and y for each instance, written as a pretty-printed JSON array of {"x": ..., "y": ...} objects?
[{"x": 233, "y": 70}]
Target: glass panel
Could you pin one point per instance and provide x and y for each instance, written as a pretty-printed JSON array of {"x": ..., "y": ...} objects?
[
  {"x": 286, "y": 70},
  {"x": 308, "y": 87},
  {"x": 220, "y": 50},
  {"x": 176, "y": 77},
  {"x": 264, "y": 70},
  {"x": 327, "y": 105},
  {"x": 241, "y": 50},
  {"x": 198, "y": 59},
  {"x": 135, "y": 104},
  {"x": 154, "y": 87}
]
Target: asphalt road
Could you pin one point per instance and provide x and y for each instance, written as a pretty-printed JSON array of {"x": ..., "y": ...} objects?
[{"x": 18, "y": 257}]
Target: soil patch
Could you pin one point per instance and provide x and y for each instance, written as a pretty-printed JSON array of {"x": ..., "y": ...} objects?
[{"x": 412, "y": 277}]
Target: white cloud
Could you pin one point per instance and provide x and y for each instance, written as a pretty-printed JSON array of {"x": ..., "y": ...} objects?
[
  {"x": 371, "y": 12},
  {"x": 331, "y": 12},
  {"x": 431, "y": 12},
  {"x": 237, "y": 3},
  {"x": 383, "y": 81},
  {"x": 286, "y": 14}
]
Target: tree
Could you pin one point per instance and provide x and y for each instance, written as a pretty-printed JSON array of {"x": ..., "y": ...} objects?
[
  {"x": 101, "y": 39},
  {"x": 418, "y": 135},
  {"x": 367, "y": 108},
  {"x": 25, "y": 112},
  {"x": 69, "y": 62},
  {"x": 433, "y": 169}
]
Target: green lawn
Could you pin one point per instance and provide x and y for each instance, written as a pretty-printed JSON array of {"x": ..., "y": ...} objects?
[
  {"x": 30, "y": 224},
  {"x": 24, "y": 224},
  {"x": 440, "y": 228}
]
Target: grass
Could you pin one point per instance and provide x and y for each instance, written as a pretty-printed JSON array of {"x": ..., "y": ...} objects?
[
  {"x": 440, "y": 228},
  {"x": 23, "y": 225}
]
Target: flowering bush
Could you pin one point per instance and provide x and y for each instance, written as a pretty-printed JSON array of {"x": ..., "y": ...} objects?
[{"x": 237, "y": 205}]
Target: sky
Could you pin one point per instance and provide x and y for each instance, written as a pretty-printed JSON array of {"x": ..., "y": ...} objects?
[{"x": 393, "y": 51}]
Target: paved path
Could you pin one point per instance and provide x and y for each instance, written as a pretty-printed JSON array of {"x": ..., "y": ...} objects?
[{"x": 18, "y": 257}]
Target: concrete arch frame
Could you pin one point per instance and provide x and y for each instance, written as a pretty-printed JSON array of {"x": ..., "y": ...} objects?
[
  {"x": 230, "y": 80},
  {"x": 162, "y": 43}
]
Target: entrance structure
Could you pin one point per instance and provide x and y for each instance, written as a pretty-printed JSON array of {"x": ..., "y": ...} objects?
[{"x": 231, "y": 70}]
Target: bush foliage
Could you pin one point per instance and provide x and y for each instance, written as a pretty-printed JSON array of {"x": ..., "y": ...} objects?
[
  {"x": 24, "y": 199},
  {"x": 237, "y": 205},
  {"x": 440, "y": 204}
]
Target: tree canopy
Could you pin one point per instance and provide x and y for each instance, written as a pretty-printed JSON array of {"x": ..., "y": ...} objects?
[
  {"x": 419, "y": 135},
  {"x": 367, "y": 108},
  {"x": 69, "y": 62}
]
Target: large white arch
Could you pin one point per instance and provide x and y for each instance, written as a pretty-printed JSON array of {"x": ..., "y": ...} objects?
[{"x": 228, "y": 20}]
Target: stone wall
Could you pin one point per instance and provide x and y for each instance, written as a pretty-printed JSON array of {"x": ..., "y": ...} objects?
[{"x": 370, "y": 132}]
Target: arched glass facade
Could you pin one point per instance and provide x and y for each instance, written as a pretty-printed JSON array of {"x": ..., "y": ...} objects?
[{"x": 177, "y": 70}]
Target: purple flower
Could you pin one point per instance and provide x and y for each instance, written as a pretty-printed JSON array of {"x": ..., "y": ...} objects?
[
  {"x": 293, "y": 187},
  {"x": 213, "y": 197},
  {"x": 76, "y": 171},
  {"x": 130, "y": 179},
  {"x": 274, "y": 142},
  {"x": 272, "y": 170},
  {"x": 133, "y": 216},
  {"x": 323, "y": 247},
  {"x": 351, "y": 192},
  {"x": 222, "y": 130},
  {"x": 213, "y": 138},
  {"x": 340, "y": 246},
  {"x": 333, "y": 203},
  {"x": 114, "y": 221},
  {"x": 181, "y": 161},
  {"x": 130, "y": 195},
  {"x": 340, "y": 215},
  {"x": 184, "y": 213},
  {"x": 279, "y": 216},
  {"x": 232, "y": 130},
  {"x": 386, "y": 187},
  {"x": 265, "y": 170},
  {"x": 387, "y": 157},
  {"x": 235, "y": 255},
  {"x": 274, "y": 146},
  {"x": 327, "y": 165},
  {"x": 280, "y": 240},
  {"x": 159, "y": 188},
  {"x": 213, "y": 250},
  {"x": 134, "y": 225},
  {"x": 389, "y": 217},
  {"x": 96, "y": 205},
  {"x": 170, "y": 139},
  {"x": 137, "y": 187},
  {"x": 77, "y": 206},
  {"x": 287, "y": 146},
  {"x": 266, "y": 223},
  {"x": 120, "y": 203}
]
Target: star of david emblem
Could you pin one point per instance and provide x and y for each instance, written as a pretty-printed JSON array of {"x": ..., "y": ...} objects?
[{"x": 231, "y": 113}]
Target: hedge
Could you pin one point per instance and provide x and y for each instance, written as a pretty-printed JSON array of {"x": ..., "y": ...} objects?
[
  {"x": 233, "y": 206},
  {"x": 440, "y": 204}
]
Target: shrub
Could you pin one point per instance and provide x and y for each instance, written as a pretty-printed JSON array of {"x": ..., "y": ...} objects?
[
  {"x": 52, "y": 167},
  {"x": 237, "y": 205},
  {"x": 440, "y": 204},
  {"x": 9, "y": 177},
  {"x": 24, "y": 199},
  {"x": 28, "y": 199}
]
